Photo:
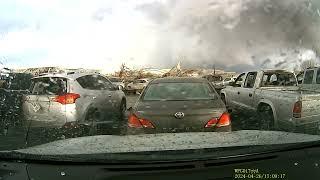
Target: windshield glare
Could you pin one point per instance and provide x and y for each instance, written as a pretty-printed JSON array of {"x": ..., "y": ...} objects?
[{"x": 96, "y": 76}]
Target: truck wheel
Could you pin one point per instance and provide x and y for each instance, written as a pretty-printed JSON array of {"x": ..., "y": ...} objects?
[{"x": 266, "y": 118}]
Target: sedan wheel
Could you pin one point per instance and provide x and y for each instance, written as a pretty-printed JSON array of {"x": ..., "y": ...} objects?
[
  {"x": 93, "y": 117},
  {"x": 122, "y": 118}
]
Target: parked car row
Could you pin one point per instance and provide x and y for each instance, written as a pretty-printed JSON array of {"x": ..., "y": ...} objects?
[{"x": 93, "y": 103}]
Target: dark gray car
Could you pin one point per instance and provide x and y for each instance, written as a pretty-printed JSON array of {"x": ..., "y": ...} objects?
[{"x": 178, "y": 105}]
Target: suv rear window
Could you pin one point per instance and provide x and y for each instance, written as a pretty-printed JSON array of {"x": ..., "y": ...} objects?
[
  {"x": 49, "y": 86},
  {"x": 94, "y": 82}
]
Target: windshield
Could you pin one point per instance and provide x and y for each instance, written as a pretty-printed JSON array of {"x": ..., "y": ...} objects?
[
  {"x": 158, "y": 75},
  {"x": 178, "y": 91}
]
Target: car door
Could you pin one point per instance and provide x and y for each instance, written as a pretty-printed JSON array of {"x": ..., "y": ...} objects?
[
  {"x": 96, "y": 92},
  {"x": 246, "y": 94},
  {"x": 233, "y": 92}
]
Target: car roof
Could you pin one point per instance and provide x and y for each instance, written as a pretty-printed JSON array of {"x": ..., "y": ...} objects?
[
  {"x": 71, "y": 76},
  {"x": 179, "y": 80}
]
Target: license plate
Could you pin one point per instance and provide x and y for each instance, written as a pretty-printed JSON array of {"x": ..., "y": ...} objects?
[{"x": 35, "y": 107}]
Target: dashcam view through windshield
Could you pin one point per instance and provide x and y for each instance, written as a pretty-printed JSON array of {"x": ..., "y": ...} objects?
[{"x": 90, "y": 77}]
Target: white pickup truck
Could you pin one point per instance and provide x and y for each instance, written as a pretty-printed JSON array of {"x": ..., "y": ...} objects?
[{"x": 277, "y": 99}]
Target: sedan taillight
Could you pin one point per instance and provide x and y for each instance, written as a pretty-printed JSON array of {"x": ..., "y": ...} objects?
[
  {"x": 224, "y": 120},
  {"x": 69, "y": 98},
  {"x": 135, "y": 122},
  {"x": 297, "y": 109}
]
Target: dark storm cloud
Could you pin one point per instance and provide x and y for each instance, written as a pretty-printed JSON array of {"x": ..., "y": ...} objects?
[{"x": 232, "y": 32}]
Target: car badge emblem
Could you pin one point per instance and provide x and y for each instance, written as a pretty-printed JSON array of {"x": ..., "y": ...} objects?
[{"x": 179, "y": 115}]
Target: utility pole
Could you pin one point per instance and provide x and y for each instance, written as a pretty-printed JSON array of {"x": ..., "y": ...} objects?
[{"x": 214, "y": 69}]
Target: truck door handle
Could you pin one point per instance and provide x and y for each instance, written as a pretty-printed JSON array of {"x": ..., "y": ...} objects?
[
  {"x": 250, "y": 94},
  {"x": 238, "y": 92},
  {"x": 109, "y": 95}
]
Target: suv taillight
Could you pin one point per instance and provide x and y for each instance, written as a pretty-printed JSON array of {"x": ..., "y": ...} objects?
[
  {"x": 224, "y": 120},
  {"x": 135, "y": 122},
  {"x": 297, "y": 109},
  {"x": 69, "y": 98}
]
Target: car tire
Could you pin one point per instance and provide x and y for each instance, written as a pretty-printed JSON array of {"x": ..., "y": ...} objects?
[
  {"x": 122, "y": 117},
  {"x": 266, "y": 117},
  {"x": 223, "y": 98},
  {"x": 92, "y": 117},
  {"x": 123, "y": 110}
]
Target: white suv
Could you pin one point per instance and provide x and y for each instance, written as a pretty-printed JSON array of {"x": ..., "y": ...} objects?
[{"x": 65, "y": 100}]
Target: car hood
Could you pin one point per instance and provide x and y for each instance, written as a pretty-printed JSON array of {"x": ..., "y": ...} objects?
[{"x": 164, "y": 142}]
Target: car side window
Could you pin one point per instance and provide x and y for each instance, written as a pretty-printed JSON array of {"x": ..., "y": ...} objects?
[
  {"x": 239, "y": 80},
  {"x": 308, "y": 77},
  {"x": 95, "y": 82},
  {"x": 318, "y": 76},
  {"x": 250, "y": 80}
]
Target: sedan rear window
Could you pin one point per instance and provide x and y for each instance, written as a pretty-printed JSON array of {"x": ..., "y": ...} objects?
[
  {"x": 178, "y": 91},
  {"x": 49, "y": 86}
]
